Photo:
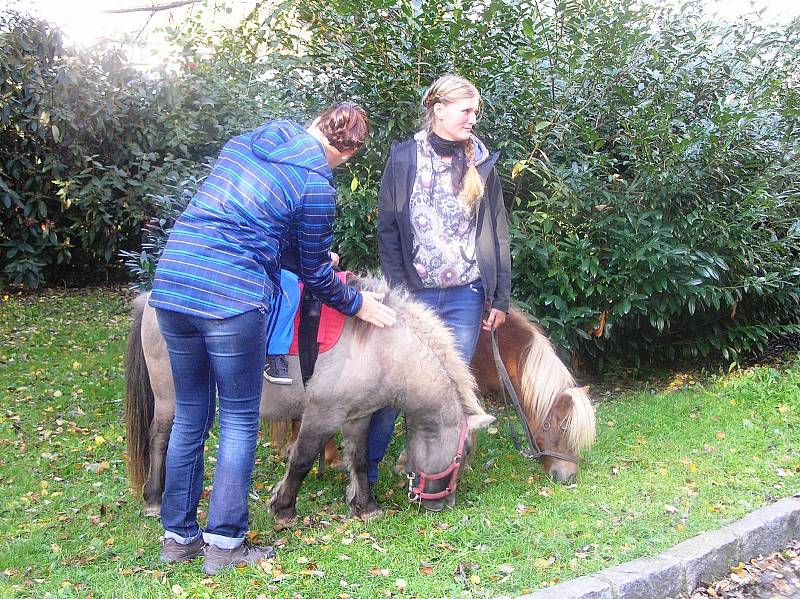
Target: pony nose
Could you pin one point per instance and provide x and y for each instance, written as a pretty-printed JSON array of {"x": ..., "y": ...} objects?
[
  {"x": 562, "y": 473},
  {"x": 433, "y": 505}
]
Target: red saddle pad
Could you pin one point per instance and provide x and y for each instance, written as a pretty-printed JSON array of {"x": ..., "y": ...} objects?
[{"x": 331, "y": 324}]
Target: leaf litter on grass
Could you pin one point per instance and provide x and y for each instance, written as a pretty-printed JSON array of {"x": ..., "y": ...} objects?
[
  {"x": 519, "y": 529},
  {"x": 776, "y": 576}
]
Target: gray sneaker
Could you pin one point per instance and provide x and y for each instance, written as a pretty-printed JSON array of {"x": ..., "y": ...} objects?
[
  {"x": 216, "y": 559},
  {"x": 276, "y": 370},
  {"x": 172, "y": 551}
]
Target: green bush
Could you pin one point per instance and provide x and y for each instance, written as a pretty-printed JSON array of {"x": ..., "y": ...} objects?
[
  {"x": 81, "y": 147},
  {"x": 88, "y": 141},
  {"x": 649, "y": 157}
]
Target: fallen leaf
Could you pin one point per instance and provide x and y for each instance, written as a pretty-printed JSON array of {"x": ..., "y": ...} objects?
[
  {"x": 96, "y": 468},
  {"x": 506, "y": 568},
  {"x": 379, "y": 571}
]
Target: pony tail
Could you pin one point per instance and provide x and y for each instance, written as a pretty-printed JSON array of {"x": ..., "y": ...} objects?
[{"x": 472, "y": 188}]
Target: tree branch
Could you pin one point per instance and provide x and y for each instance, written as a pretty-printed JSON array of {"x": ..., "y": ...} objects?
[{"x": 153, "y": 8}]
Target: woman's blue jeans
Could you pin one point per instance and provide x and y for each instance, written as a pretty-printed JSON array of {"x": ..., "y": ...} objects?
[
  {"x": 209, "y": 356},
  {"x": 461, "y": 309}
]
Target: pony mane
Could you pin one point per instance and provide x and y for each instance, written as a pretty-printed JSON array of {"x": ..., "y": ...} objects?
[
  {"x": 426, "y": 326},
  {"x": 544, "y": 378}
]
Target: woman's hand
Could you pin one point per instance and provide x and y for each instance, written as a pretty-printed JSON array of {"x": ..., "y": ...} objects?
[
  {"x": 374, "y": 312},
  {"x": 495, "y": 319}
]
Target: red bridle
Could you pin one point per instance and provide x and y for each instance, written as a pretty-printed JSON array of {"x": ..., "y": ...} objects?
[{"x": 416, "y": 492}]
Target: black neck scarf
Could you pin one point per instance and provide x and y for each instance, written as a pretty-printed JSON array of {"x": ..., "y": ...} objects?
[{"x": 456, "y": 149}]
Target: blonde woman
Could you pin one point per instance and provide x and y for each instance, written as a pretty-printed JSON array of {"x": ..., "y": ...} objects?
[{"x": 442, "y": 229}]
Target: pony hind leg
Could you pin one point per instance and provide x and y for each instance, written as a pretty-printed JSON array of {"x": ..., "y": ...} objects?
[
  {"x": 153, "y": 487},
  {"x": 332, "y": 456},
  {"x": 361, "y": 501}
]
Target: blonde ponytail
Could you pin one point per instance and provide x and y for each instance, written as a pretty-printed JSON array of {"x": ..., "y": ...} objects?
[{"x": 472, "y": 188}]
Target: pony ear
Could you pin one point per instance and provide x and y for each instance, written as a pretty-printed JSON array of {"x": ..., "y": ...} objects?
[
  {"x": 585, "y": 389},
  {"x": 476, "y": 421}
]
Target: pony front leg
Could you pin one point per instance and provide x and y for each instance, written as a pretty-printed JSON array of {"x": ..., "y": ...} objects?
[
  {"x": 304, "y": 452},
  {"x": 362, "y": 503}
]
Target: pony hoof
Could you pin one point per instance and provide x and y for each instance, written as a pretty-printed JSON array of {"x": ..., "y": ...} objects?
[
  {"x": 152, "y": 511},
  {"x": 285, "y": 522},
  {"x": 370, "y": 514}
]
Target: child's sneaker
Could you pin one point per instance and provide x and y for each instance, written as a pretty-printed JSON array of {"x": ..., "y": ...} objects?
[{"x": 276, "y": 370}]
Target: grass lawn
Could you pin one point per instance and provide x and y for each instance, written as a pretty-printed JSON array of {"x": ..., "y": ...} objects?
[{"x": 666, "y": 466}]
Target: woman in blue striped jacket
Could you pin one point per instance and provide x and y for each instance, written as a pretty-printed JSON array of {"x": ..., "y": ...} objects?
[{"x": 270, "y": 190}]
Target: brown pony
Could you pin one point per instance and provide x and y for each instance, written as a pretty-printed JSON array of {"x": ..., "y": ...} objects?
[{"x": 558, "y": 412}]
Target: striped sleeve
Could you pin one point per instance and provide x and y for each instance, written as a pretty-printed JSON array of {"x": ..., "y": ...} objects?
[{"x": 314, "y": 237}]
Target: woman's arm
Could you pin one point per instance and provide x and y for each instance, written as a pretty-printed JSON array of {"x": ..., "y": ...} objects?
[{"x": 502, "y": 294}]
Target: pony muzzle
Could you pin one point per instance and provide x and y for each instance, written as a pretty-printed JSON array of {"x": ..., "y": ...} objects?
[{"x": 417, "y": 481}]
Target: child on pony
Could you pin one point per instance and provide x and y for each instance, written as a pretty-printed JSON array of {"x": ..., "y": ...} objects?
[{"x": 280, "y": 327}]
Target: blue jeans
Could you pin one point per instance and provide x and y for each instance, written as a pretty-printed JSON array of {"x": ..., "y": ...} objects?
[
  {"x": 460, "y": 308},
  {"x": 207, "y": 356}
]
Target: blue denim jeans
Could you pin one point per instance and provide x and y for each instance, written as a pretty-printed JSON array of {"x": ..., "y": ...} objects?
[
  {"x": 209, "y": 356},
  {"x": 460, "y": 308}
]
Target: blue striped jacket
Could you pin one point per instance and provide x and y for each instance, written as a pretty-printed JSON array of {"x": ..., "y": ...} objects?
[{"x": 270, "y": 190}]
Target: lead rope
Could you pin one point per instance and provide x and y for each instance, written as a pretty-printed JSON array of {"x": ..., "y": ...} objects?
[{"x": 507, "y": 389}]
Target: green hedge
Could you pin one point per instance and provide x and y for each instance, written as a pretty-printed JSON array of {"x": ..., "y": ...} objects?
[
  {"x": 649, "y": 157},
  {"x": 87, "y": 141}
]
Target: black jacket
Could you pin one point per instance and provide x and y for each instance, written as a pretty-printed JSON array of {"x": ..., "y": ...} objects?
[{"x": 395, "y": 235}]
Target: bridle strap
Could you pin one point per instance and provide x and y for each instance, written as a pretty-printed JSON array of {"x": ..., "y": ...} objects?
[
  {"x": 417, "y": 491},
  {"x": 507, "y": 389}
]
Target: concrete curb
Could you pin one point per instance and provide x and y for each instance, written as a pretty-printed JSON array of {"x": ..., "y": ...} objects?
[{"x": 678, "y": 570}]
